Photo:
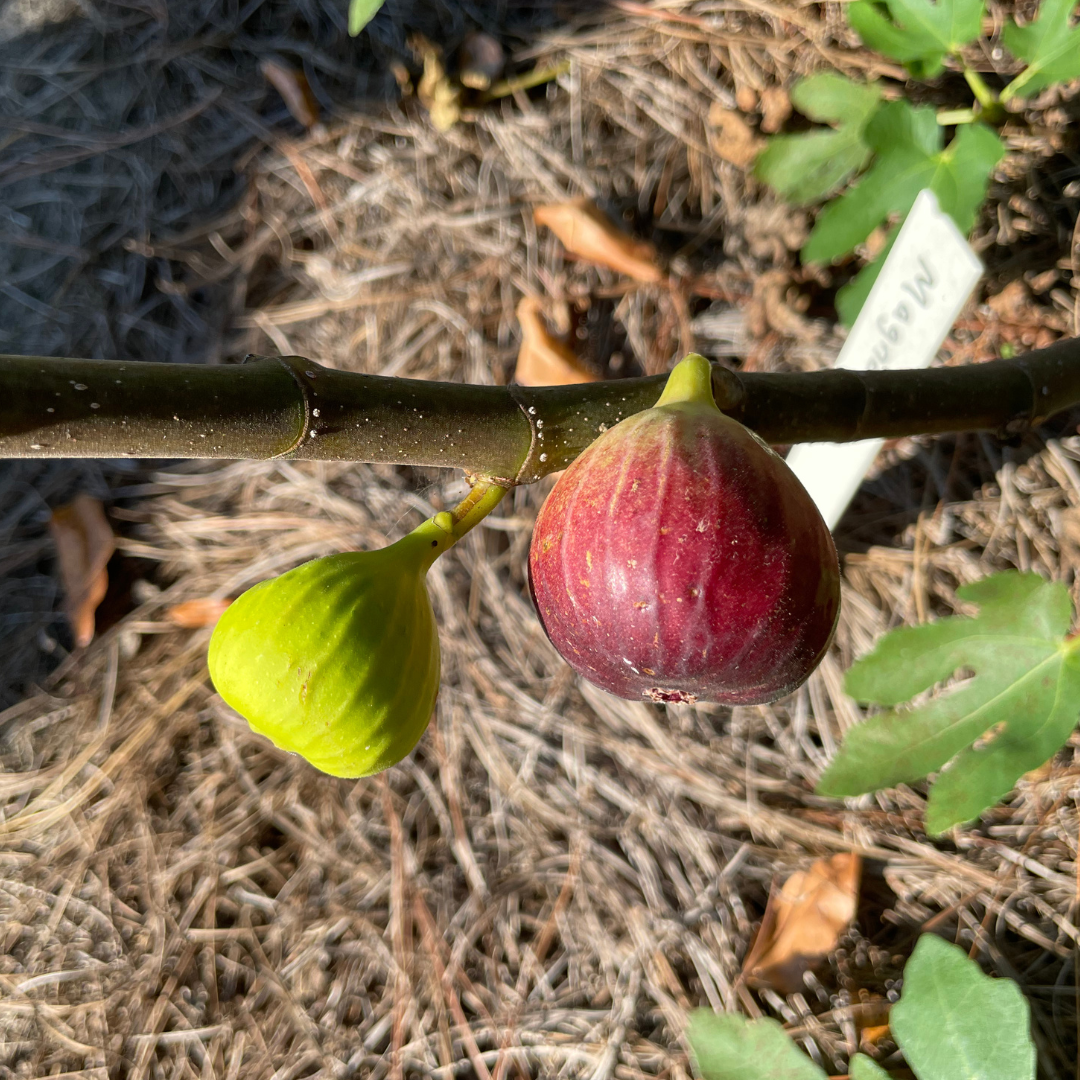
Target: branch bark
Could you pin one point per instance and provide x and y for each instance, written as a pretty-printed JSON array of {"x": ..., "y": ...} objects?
[{"x": 293, "y": 407}]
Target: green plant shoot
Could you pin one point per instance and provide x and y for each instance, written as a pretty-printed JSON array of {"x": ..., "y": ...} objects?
[
  {"x": 1017, "y": 710},
  {"x": 906, "y": 146},
  {"x": 901, "y": 147},
  {"x": 907, "y": 142}
]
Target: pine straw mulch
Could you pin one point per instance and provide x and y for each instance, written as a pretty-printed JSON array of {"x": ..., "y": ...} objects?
[
  {"x": 550, "y": 881},
  {"x": 555, "y": 877}
]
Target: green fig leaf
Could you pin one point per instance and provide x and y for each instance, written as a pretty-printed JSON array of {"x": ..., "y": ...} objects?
[
  {"x": 919, "y": 33},
  {"x": 908, "y": 141},
  {"x": 804, "y": 168},
  {"x": 1013, "y": 715},
  {"x": 727, "y": 1046},
  {"x": 953, "y": 1022},
  {"x": 337, "y": 660},
  {"x": 910, "y": 157},
  {"x": 1049, "y": 45},
  {"x": 908, "y": 144}
]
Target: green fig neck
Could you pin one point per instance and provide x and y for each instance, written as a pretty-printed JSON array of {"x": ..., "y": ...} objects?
[
  {"x": 428, "y": 540},
  {"x": 436, "y": 535},
  {"x": 690, "y": 383}
]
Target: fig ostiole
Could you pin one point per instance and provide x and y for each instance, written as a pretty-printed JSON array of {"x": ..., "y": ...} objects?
[
  {"x": 679, "y": 559},
  {"x": 338, "y": 659}
]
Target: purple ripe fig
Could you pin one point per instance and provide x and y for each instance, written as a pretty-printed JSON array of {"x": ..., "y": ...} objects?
[{"x": 679, "y": 559}]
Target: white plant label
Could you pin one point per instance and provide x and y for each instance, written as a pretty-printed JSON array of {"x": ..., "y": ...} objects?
[{"x": 924, "y": 283}]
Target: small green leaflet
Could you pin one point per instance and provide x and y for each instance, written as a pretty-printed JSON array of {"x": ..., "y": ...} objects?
[
  {"x": 1050, "y": 47},
  {"x": 727, "y": 1046},
  {"x": 1017, "y": 711},
  {"x": 920, "y": 33},
  {"x": 910, "y": 157},
  {"x": 954, "y": 1022},
  {"x": 908, "y": 141},
  {"x": 361, "y": 12},
  {"x": 805, "y": 168}
]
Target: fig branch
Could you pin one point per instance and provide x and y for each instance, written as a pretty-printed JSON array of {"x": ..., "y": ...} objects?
[{"x": 293, "y": 407}]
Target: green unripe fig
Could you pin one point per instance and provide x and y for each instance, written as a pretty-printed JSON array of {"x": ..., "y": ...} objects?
[{"x": 338, "y": 660}]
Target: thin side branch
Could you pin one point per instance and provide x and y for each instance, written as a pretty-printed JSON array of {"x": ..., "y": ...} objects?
[{"x": 293, "y": 407}]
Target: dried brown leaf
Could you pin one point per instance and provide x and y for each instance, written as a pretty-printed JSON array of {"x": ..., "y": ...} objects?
[
  {"x": 194, "y": 614},
  {"x": 588, "y": 233},
  {"x": 543, "y": 360},
  {"x": 803, "y": 922},
  {"x": 732, "y": 137},
  {"x": 294, "y": 89},
  {"x": 84, "y": 544}
]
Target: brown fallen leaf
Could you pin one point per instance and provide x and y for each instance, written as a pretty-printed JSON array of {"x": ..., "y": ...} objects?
[
  {"x": 732, "y": 137},
  {"x": 195, "y": 614},
  {"x": 295, "y": 91},
  {"x": 544, "y": 360},
  {"x": 587, "y": 232},
  {"x": 84, "y": 544},
  {"x": 803, "y": 922}
]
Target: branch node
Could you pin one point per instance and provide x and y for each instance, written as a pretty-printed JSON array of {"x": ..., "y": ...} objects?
[
  {"x": 728, "y": 392},
  {"x": 305, "y": 373},
  {"x": 527, "y": 473}
]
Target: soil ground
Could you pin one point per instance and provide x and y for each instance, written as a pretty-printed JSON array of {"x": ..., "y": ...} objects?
[{"x": 555, "y": 878}]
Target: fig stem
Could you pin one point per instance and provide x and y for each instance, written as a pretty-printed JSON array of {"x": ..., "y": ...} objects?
[
  {"x": 690, "y": 382},
  {"x": 293, "y": 407},
  {"x": 439, "y": 534},
  {"x": 483, "y": 497}
]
